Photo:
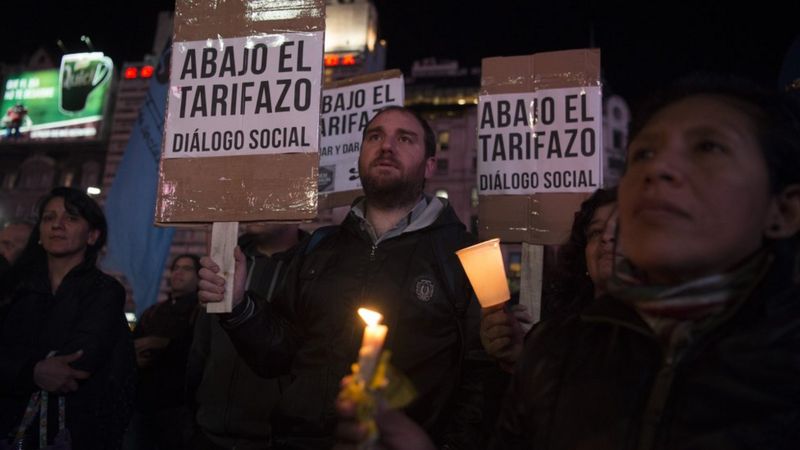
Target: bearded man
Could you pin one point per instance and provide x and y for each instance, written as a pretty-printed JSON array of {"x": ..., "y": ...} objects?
[{"x": 393, "y": 253}]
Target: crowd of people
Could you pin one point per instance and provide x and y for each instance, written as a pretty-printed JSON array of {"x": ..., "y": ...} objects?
[{"x": 671, "y": 321}]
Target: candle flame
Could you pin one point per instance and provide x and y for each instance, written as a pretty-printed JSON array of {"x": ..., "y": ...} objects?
[{"x": 370, "y": 317}]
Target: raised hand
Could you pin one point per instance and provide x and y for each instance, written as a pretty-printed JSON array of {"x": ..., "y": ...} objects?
[
  {"x": 502, "y": 333},
  {"x": 212, "y": 286}
]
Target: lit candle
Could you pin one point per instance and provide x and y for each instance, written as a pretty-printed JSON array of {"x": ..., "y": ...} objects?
[
  {"x": 483, "y": 264},
  {"x": 371, "y": 344}
]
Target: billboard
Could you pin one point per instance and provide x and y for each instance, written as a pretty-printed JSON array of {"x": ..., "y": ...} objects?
[{"x": 64, "y": 103}]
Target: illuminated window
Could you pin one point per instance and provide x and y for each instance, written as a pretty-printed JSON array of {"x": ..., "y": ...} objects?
[
  {"x": 37, "y": 172},
  {"x": 618, "y": 139},
  {"x": 331, "y": 60},
  {"x": 10, "y": 180},
  {"x": 514, "y": 264},
  {"x": 442, "y": 193},
  {"x": 444, "y": 140},
  {"x": 441, "y": 166},
  {"x": 147, "y": 71},
  {"x": 67, "y": 178},
  {"x": 348, "y": 60},
  {"x": 90, "y": 174}
]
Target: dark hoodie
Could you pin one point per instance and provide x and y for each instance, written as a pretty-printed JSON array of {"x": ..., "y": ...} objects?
[{"x": 232, "y": 404}]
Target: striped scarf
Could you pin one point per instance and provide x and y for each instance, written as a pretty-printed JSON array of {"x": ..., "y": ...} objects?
[{"x": 676, "y": 307}]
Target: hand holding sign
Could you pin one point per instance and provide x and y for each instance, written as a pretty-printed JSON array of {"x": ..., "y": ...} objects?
[
  {"x": 212, "y": 285},
  {"x": 241, "y": 127}
]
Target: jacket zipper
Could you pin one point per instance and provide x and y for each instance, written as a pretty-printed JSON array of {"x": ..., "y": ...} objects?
[
  {"x": 662, "y": 383},
  {"x": 659, "y": 394}
]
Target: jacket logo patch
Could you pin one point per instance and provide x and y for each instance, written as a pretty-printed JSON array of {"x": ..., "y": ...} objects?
[{"x": 424, "y": 289}]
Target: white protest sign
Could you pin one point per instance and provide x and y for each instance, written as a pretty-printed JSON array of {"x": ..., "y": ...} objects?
[
  {"x": 251, "y": 95},
  {"x": 547, "y": 141},
  {"x": 345, "y": 112}
]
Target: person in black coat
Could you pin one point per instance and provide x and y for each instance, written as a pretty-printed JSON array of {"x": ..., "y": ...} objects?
[
  {"x": 64, "y": 331},
  {"x": 162, "y": 340},
  {"x": 696, "y": 344}
]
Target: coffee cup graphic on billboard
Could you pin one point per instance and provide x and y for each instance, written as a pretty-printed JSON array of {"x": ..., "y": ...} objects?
[{"x": 80, "y": 75}]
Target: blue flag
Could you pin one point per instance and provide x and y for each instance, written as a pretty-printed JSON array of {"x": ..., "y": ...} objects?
[{"x": 136, "y": 247}]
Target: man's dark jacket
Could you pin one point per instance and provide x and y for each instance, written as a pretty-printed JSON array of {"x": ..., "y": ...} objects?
[
  {"x": 162, "y": 384},
  {"x": 312, "y": 329},
  {"x": 602, "y": 380},
  {"x": 233, "y": 404}
]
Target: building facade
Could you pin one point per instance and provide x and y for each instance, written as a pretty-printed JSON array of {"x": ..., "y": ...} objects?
[{"x": 445, "y": 93}]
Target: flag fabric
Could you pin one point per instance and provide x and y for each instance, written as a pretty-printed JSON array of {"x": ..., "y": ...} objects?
[{"x": 136, "y": 247}]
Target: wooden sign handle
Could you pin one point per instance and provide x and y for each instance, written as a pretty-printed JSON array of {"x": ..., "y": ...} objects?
[
  {"x": 223, "y": 242},
  {"x": 530, "y": 289}
]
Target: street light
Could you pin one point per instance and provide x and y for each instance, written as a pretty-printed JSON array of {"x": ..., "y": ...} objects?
[{"x": 88, "y": 41}]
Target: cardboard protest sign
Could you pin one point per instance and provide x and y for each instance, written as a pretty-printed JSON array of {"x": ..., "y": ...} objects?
[
  {"x": 242, "y": 124},
  {"x": 539, "y": 143},
  {"x": 347, "y": 106}
]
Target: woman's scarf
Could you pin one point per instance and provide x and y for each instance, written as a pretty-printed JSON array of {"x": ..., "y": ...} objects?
[{"x": 667, "y": 307}]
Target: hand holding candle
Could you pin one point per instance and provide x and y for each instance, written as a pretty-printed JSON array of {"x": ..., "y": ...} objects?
[
  {"x": 483, "y": 264},
  {"x": 371, "y": 344},
  {"x": 374, "y": 381}
]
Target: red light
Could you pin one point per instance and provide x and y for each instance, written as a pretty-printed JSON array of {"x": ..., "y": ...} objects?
[
  {"x": 131, "y": 73},
  {"x": 348, "y": 60},
  {"x": 147, "y": 71},
  {"x": 331, "y": 60}
]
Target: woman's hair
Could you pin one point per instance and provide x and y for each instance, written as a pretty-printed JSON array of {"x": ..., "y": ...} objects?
[
  {"x": 34, "y": 258},
  {"x": 75, "y": 202},
  {"x": 571, "y": 288},
  {"x": 775, "y": 114},
  {"x": 78, "y": 203},
  {"x": 776, "y": 117}
]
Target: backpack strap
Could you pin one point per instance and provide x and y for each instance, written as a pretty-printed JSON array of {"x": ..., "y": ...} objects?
[
  {"x": 447, "y": 264},
  {"x": 318, "y": 236},
  {"x": 447, "y": 270}
]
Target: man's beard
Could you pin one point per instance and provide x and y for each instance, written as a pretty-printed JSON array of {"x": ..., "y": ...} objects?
[{"x": 394, "y": 193}]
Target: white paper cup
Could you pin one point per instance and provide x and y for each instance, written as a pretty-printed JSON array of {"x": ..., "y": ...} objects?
[{"x": 483, "y": 264}]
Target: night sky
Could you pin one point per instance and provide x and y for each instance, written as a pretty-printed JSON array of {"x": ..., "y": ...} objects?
[{"x": 644, "y": 44}]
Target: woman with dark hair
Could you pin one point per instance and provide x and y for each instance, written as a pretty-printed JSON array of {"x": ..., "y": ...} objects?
[
  {"x": 64, "y": 330},
  {"x": 696, "y": 345},
  {"x": 585, "y": 262},
  {"x": 584, "y": 267}
]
